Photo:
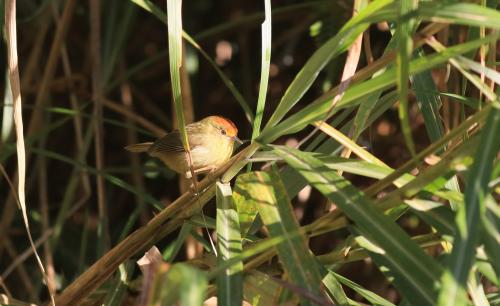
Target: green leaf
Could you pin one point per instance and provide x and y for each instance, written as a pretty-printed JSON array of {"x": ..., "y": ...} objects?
[
  {"x": 261, "y": 290},
  {"x": 230, "y": 282},
  {"x": 367, "y": 294},
  {"x": 335, "y": 289},
  {"x": 264, "y": 70},
  {"x": 180, "y": 282},
  {"x": 318, "y": 109},
  {"x": 246, "y": 206},
  {"x": 267, "y": 189},
  {"x": 459, "y": 13},
  {"x": 415, "y": 272},
  {"x": 433, "y": 213},
  {"x": 172, "y": 251},
  {"x": 117, "y": 291},
  {"x": 120, "y": 17},
  {"x": 467, "y": 222},
  {"x": 429, "y": 101},
  {"x": 174, "y": 24},
  {"x": 491, "y": 232},
  {"x": 333, "y": 47},
  {"x": 405, "y": 31}
]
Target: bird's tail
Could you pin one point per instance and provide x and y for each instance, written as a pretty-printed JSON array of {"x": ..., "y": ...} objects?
[{"x": 139, "y": 147}]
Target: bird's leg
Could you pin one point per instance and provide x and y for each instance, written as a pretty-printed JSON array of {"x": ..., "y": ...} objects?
[
  {"x": 194, "y": 189},
  {"x": 208, "y": 169}
]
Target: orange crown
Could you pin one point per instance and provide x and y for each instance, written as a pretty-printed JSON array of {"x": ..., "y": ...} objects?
[{"x": 227, "y": 124}]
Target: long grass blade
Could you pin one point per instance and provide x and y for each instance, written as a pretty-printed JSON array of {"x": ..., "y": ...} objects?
[
  {"x": 276, "y": 213},
  {"x": 405, "y": 31},
  {"x": 264, "y": 69},
  {"x": 367, "y": 294},
  {"x": 333, "y": 47},
  {"x": 318, "y": 108},
  {"x": 229, "y": 283},
  {"x": 399, "y": 252},
  {"x": 174, "y": 24},
  {"x": 15, "y": 87},
  {"x": 459, "y": 13},
  {"x": 468, "y": 216}
]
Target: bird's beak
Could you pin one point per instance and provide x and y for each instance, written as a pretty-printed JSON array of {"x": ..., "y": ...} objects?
[{"x": 235, "y": 138}]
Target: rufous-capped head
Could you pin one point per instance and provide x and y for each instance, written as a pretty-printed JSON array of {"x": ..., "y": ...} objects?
[{"x": 224, "y": 124}]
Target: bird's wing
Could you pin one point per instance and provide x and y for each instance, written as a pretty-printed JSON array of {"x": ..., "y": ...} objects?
[
  {"x": 172, "y": 142},
  {"x": 168, "y": 143}
]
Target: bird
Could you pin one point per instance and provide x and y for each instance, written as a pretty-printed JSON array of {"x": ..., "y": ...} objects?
[{"x": 211, "y": 142}]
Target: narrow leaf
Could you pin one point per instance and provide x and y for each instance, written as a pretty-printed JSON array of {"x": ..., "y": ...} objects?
[
  {"x": 405, "y": 32},
  {"x": 277, "y": 214},
  {"x": 400, "y": 252},
  {"x": 229, "y": 283},
  {"x": 264, "y": 70},
  {"x": 247, "y": 207},
  {"x": 467, "y": 222}
]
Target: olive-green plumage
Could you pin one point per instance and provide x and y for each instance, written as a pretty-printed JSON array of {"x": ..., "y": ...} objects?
[{"x": 210, "y": 140}]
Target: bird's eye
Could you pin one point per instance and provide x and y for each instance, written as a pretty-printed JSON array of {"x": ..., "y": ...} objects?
[{"x": 223, "y": 132}]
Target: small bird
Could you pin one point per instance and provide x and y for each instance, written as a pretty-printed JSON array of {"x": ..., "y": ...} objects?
[{"x": 211, "y": 142}]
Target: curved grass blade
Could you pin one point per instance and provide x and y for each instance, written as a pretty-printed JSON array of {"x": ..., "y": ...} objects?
[
  {"x": 367, "y": 294},
  {"x": 252, "y": 19},
  {"x": 405, "y": 31},
  {"x": 333, "y": 47},
  {"x": 230, "y": 282},
  {"x": 335, "y": 288},
  {"x": 267, "y": 189},
  {"x": 118, "y": 288},
  {"x": 174, "y": 25},
  {"x": 318, "y": 109},
  {"x": 171, "y": 252},
  {"x": 110, "y": 178},
  {"x": 264, "y": 69},
  {"x": 459, "y": 13},
  {"x": 429, "y": 102},
  {"x": 294, "y": 180},
  {"x": 467, "y": 222},
  {"x": 415, "y": 272}
]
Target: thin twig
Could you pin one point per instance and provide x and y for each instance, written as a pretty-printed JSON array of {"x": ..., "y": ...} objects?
[
  {"x": 30, "y": 71},
  {"x": 44, "y": 209},
  {"x": 77, "y": 118},
  {"x": 95, "y": 51},
  {"x": 26, "y": 254},
  {"x": 23, "y": 275},
  {"x": 130, "y": 115},
  {"x": 127, "y": 101}
]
